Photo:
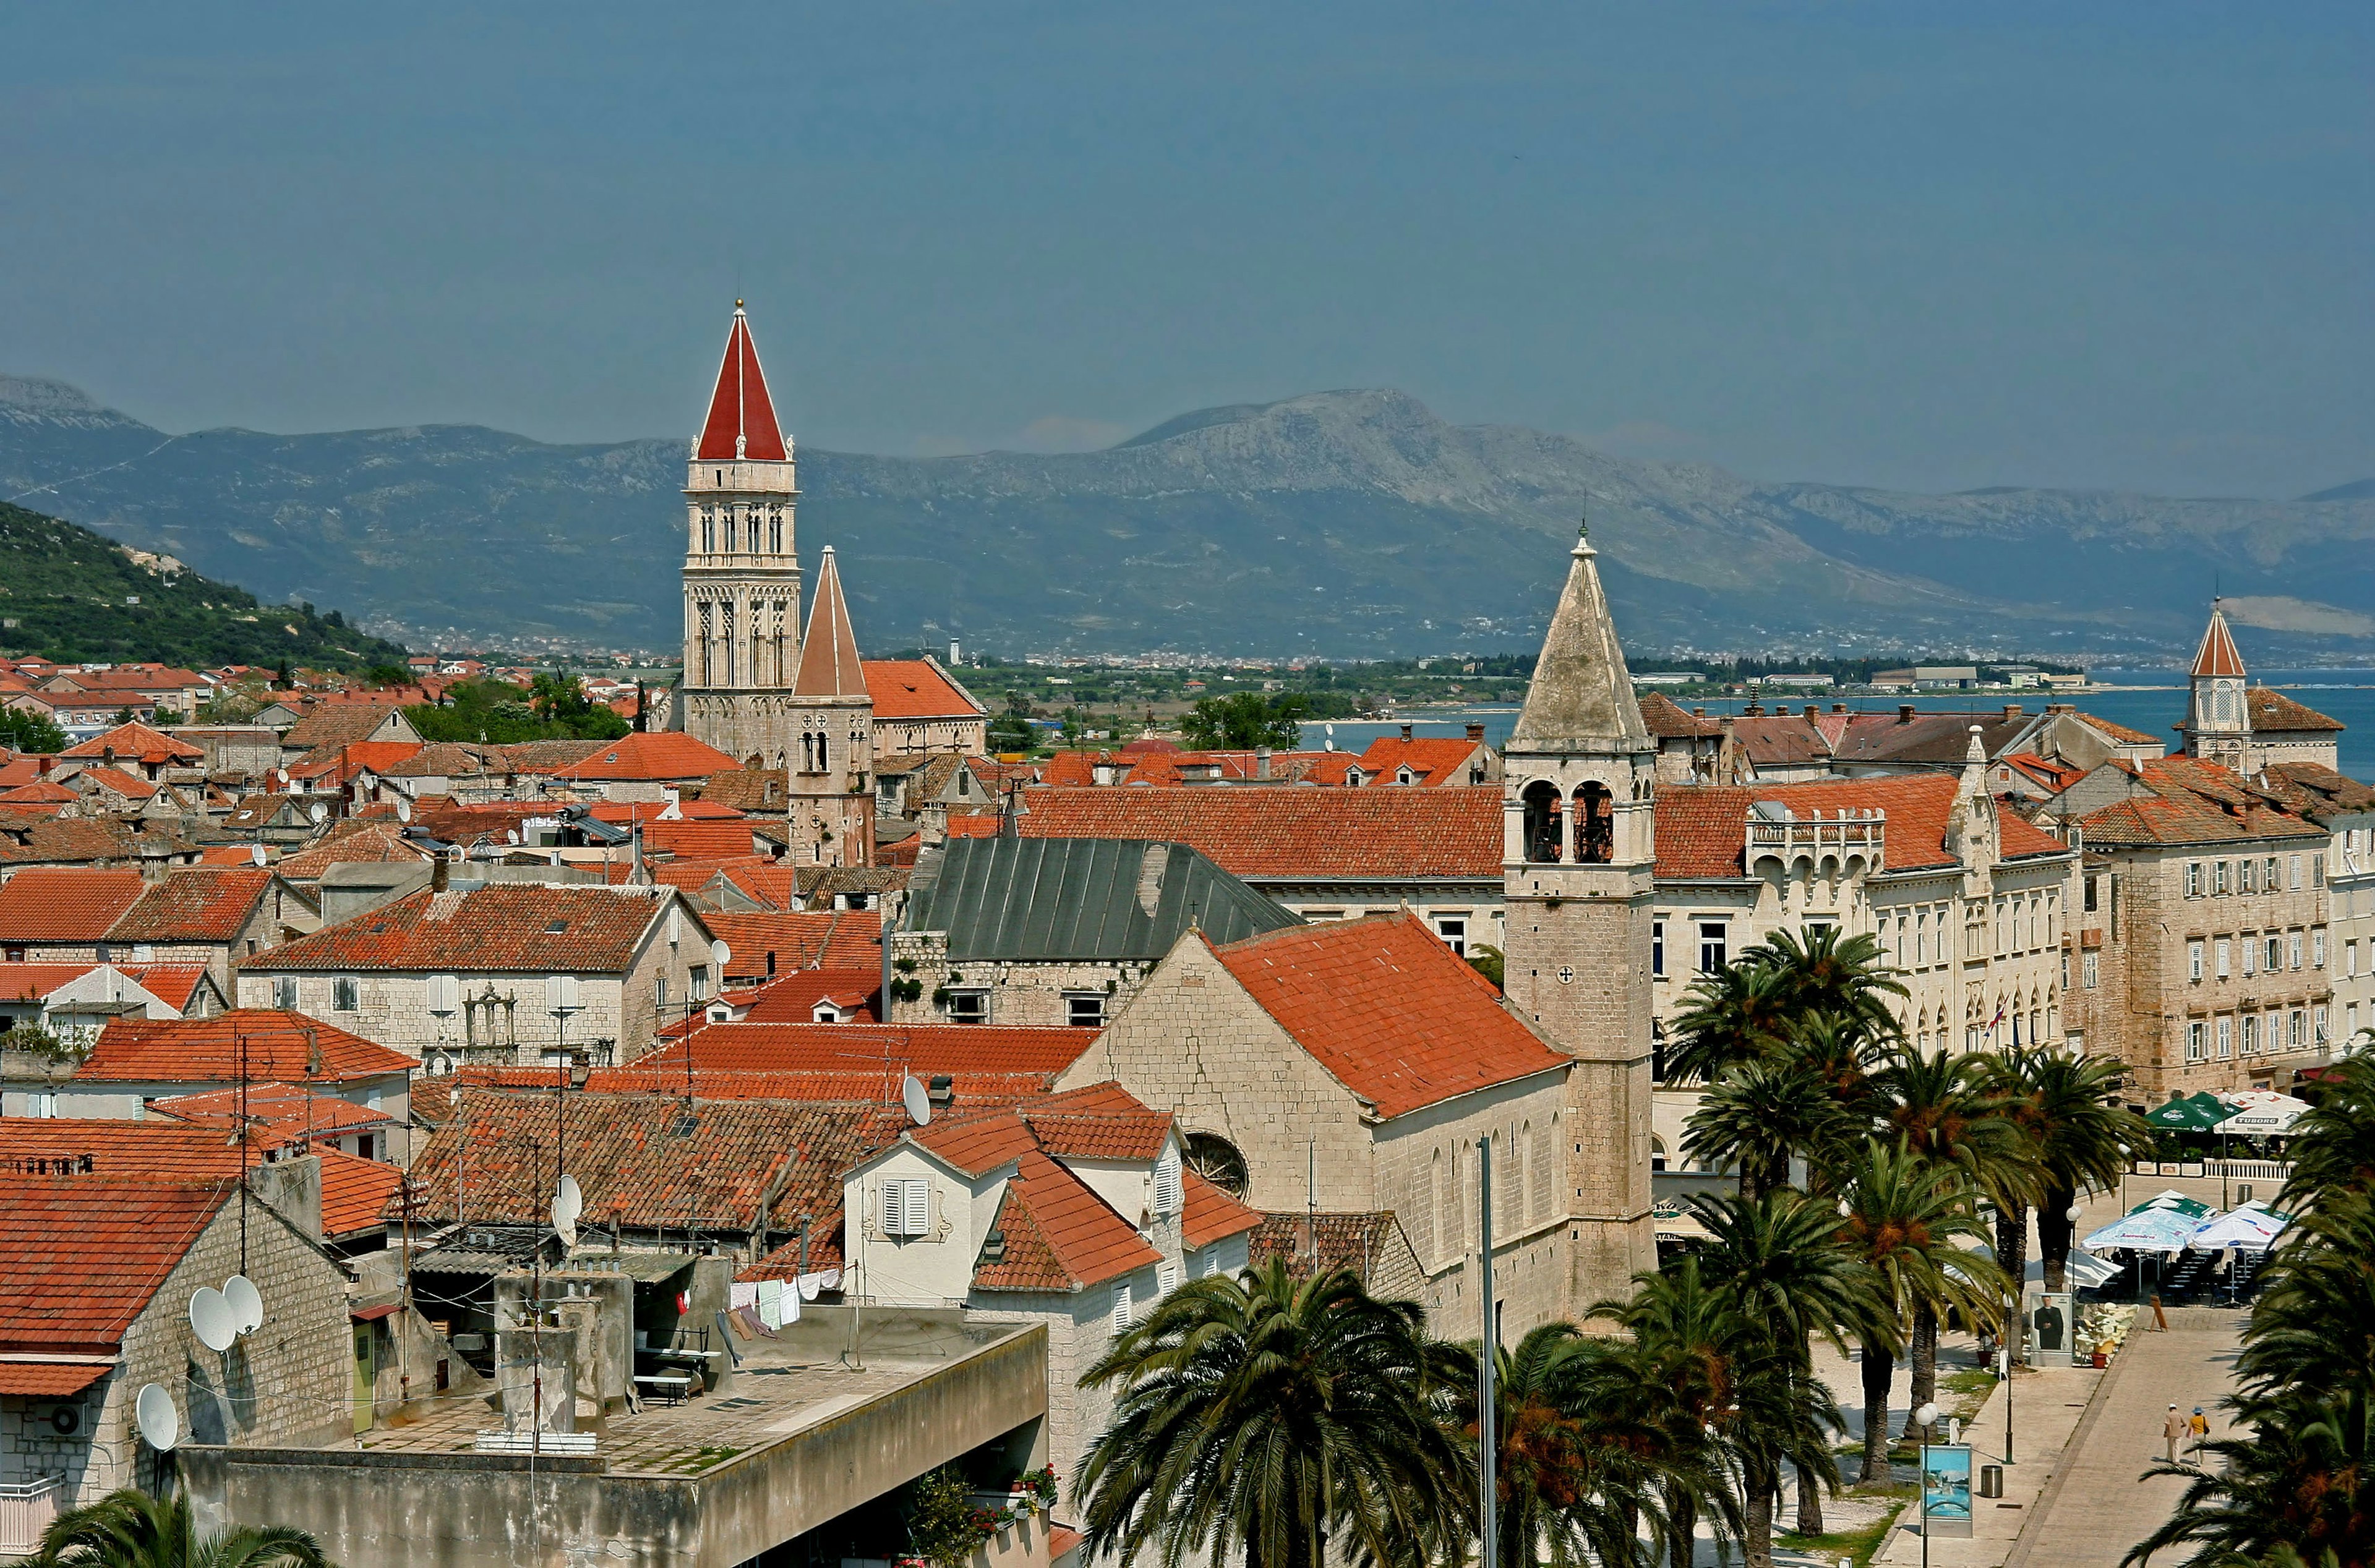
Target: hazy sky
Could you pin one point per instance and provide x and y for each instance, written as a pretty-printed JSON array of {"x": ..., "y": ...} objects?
[{"x": 1935, "y": 247}]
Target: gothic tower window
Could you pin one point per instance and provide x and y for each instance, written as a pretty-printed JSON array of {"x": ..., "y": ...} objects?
[
  {"x": 708, "y": 529},
  {"x": 775, "y": 529},
  {"x": 1595, "y": 824},
  {"x": 726, "y": 629},
  {"x": 705, "y": 642},
  {"x": 1545, "y": 823}
]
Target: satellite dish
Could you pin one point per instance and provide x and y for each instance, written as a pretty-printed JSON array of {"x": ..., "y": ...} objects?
[
  {"x": 246, "y": 1302},
  {"x": 211, "y": 1316},
  {"x": 255, "y": 853},
  {"x": 919, "y": 1104},
  {"x": 159, "y": 1422},
  {"x": 568, "y": 1203},
  {"x": 317, "y": 811},
  {"x": 403, "y": 810},
  {"x": 718, "y": 953},
  {"x": 1331, "y": 736}
]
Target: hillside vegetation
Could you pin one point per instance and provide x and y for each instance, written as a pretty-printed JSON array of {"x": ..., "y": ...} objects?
[{"x": 69, "y": 595}]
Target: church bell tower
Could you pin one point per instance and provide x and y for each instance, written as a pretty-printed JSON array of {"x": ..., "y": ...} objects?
[
  {"x": 1578, "y": 856},
  {"x": 2218, "y": 721},
  {"x": 741, "y": 576}
]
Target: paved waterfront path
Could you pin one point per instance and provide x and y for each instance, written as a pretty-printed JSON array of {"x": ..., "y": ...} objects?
[{"x": 2081, "y": 1440}]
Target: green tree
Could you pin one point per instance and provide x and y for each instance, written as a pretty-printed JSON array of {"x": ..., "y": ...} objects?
[
  {"x": 1012, "y": 732},
  {"x": 1757, "y": 1114},
  {"x": 1490, "y": 962},
  {"x": 1245, "y": 720},
  {"x": 2069, "y": 1110},
  {"x": 1578, "y": 1459},
  {"x": 131, "y": 1529},
  {"x": 26, "y": 731},
  {"x": 1277, "y": 1420},
  {"x": 1953, "y": 1111},
  {"x": 555, "y": 708},
  {"x": 1834, "y": 975},
  {"x": 2333, "y": 1147},
  {"x": 1904, "y": 1217},
  {"x": 386, "y": 675},
  {"x": 1778, "y": 1256},
  {"x": 2299, "y": 1490},
  {"x": 1739, "y": 1013}
]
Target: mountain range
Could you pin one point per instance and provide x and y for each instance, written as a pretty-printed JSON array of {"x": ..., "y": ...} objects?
[{"x": 1348, "y": 524}]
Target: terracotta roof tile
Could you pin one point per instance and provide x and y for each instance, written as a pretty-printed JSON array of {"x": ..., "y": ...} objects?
[
  {"x": 2186, "y": 800},
  {"x": 63, "y": 904},
  {"x": 172, "y": 983},
  {"x": 31, "y": 981},
  {"x": 1059, "y": 1234},
  {"x": 86, "y": 1252},
  {"x": 372, "y": 843},
  {"x": 925, "y": 1049},
  {"x": 648, "y": 756},
  {"x": 136, "y": 743},
  {"x": 513, "y": 928},
  {"x": 1385, "y": 1008},
  {"x": 50, "y": 1380},
  {"x": 277, "y": 1045},
  {"x": 917, "y": 689},
  {"x": 1100, "y": 1121},
  {"x": 204, "y": 903},
  {"x": 1668, "y": 718},
  {"x": 1289, "y": 831},
  {"x": 980, "y": 1144},
  {"x": 1210, "y": 1215},
  {"x": 1702, "y": 829},
  {"x": 748, "y": 789},
  {"x": 337, "y": 723},
  {"x": 1342, "y": 1241},
  {"x": 2275, "y": 712},
  {"x": 355, "y": 1193},
  {"x": 793, "y": 998},
  {"x": 282, "y": 1114},
  {"x": 835, "y": 938},
  {"x": 742, "y": 423},
  {"x": 117, "y": 782},
  {"x": 1435, "y": 762},
  {"x": 2216, "y": 655}
]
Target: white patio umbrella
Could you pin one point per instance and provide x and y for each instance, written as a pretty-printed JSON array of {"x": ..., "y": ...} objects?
[
  {"x": 2252, "y": 1228},
  {"x": 2269, "y": 1119}
]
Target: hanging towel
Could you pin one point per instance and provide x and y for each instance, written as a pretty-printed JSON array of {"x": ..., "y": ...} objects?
[
  {"x": 740, "y": 1294},
  {"x": 771, "y": 1302}
]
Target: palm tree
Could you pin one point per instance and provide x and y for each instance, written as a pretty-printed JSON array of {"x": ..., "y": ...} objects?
[
  {"x": 1779, "y": 1258},
  {"x": 2069, "y": 1109},
  {"x": 1278, "y": 1419},
  {"x": 2314, "y": 1324},
  {"x": 132, "y": 1530},
  {"x": 1950, "y": 1111},
  {"x": 2333, "y": 1147},
  {"x": 1904, "y": 1218},
  {"x": 1684, "y": 1336},
  {"x": 1844, "y": 977},
  {"x": 2303, "y": 1482},
  {"x": 1737, "y": 1014},
  {"x": 1758, "y": 1113},
  {"x": 1577, "y": 1459}
]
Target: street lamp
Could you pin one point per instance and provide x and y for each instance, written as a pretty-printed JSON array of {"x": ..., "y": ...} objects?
[{"x": 1922, "y": 1418}]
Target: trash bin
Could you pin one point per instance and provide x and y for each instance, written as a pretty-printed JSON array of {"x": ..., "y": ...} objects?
[{"x": 1991, "y": 1480}]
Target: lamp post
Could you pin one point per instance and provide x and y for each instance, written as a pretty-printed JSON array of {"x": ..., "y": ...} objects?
[{"x": 1924, "y": 1417}]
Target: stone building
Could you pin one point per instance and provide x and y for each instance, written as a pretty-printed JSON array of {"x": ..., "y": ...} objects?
[
  {"x": 2201, "y": 947},
  {"x": 476, "y": 974},
  {"x": 2345, "y": 809},
  {"x": 111, "y": 1228},
  {"x": 206, "y": 916},
  {"x": 1077, "y": 1210},
  {"x": 830, "y": 814},
  {"x": 2246, "y": 727},
  {"x": 920, "y": 707},
  {"x": 1355, "y": 1066},
  {"x": 1580, "y": 857},
  {"x": 1055, "y": 931},
  {"x": 1967, "y": 900}
]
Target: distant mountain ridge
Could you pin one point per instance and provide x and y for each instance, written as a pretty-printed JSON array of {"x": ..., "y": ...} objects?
[{"x": 1351, "y": 524}]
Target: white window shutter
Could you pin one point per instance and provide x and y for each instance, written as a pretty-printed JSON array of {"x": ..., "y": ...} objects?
[
  {"x": 1166, "y": 1181},
  {"x": 1167, "y": 1279},
  {"x": 1211, "y": 1262},
  {"x": 919, "y": 1206},
  {"x": 1121, "y": 1307}
]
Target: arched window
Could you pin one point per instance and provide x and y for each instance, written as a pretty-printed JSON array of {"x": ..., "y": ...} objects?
[
  {"x": 708, "y": 530},
  {"x": 1216, "y": 1160},
  {"x": 1595, "y": 823},
  {"x": 1545, "y": 823}
]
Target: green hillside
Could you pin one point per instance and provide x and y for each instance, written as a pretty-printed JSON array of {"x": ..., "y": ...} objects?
[{"x": 68, "y": 593}]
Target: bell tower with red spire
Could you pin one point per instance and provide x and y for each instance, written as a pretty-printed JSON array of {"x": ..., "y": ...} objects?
[{"x": 741, "y": 576}]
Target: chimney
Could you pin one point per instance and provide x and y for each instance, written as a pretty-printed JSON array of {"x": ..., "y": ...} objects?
[
  {"x": 933, "y": 830},
  {"x": 1476, "y": 733},
  {"x": 1261, "y": 761},
  {"x": 1406, "y": 732},
  {"x": 438, "y": 873},
  {"x": 1839, "y": 707},
  {"x": 2012, "y": 712},
  {"x": 1812, "y": 709},
  {"x": 1699, "y": 711},
  {"x": 1905, "y": 712}
]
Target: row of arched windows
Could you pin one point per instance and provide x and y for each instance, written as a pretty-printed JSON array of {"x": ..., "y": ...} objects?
[
  {"x": 750, "y": 528},
  {"x": 1558, "y": 828}
]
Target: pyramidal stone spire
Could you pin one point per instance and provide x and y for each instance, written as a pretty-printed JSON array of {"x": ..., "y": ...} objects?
[
  {"x": 829, "y": 666},
  {"x": 1582, "y": 695},
  {"x": 741, "y": 422}
]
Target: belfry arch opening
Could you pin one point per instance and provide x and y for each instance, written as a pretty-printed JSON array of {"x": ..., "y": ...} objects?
[
  {"x": 1595, "y": 824},
  {"x": 1545, "y": 823}
]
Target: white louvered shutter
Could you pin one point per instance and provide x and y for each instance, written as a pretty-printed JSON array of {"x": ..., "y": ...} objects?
[
  {"x": 1167, "y": 1194},
  {"x": 919, "y": 1206},
  {"x": 1121, "y": 1307},
  {"x": 1167, "y": 1279}
]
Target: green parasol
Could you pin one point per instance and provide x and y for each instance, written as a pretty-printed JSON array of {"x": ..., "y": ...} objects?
[{"x": 2196, "y": 1112}]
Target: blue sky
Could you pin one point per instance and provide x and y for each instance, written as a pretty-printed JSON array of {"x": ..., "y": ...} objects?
[{"x": 1927, "y": 246}]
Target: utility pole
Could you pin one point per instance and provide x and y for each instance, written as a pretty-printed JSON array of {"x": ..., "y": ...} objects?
[{"x": 1487, "y": 1349}]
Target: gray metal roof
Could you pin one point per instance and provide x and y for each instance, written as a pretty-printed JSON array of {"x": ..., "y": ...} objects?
[{"x": 1063, "y": 900}]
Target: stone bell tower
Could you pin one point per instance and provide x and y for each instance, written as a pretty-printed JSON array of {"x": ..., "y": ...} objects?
[
  {"x": 742, "y": 577},
  {"x": 2218, "y": 721},
  {"x": 1578, "y": 854}
]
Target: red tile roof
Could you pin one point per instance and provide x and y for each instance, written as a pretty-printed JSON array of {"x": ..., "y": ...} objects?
[
  {"x": 86, "y": 1254},
  {"x": 371, "y": 843},
  {"x": 1396, "y": 1016},
  {"x": 973, "y": 1092},
  {"x": 355, "y": 1193},
  {"x": 2119, "y": 732},
  {"x": 1435, "y": 762},
  {"x": 50, "y": 1380},
  {"x": 2216, "y": 655},
  {"x": 793, "y": 998},
  {"x": 47, "y": 792},
  {"x": 769, "y": 882},
  {"x": 511, "y": 927},
  {"x": 1100, "y": 1121},
  {"x": 980, "y": 1144},
  {"x": 741, "y": 422},
  {"x": 2272, "y": 710},
  {"x": 31, "y": 981},
  {"x": 339, "y": 763},
  {"x": 283, "y": 1115},
  {"x": 2185, "y": 800},
  {"x": 704, "y": 840},
  {"x": 1210, "y": 1215},
  {"x": 1059, "y": 1234},
  {"x": 171, "y": 984},
  {"x": 923, "y": 1049},
  {"x": 1667, "y": 718},
  {"x": 916, "y": 689},
  {"x": 278, "y": 1045},
  {"x": 830, "y": 939},
  {"x": 1290, "y": 831},
  {"x": 1702, "y": 829},
  {"x": 117, "y": 782},
  {"x": 625, "y": 813},
  {"x": 205, "y": 903},
  {"x": 136, "y": 743},
  {"x": 45, "y": 903},
  {"x": 648, "y": 756}
]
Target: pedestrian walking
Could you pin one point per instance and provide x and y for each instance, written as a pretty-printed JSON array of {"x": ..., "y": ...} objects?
[
  {"x": 2197, "y": 1432},
  {"x": 2172, "y": 1432}
]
